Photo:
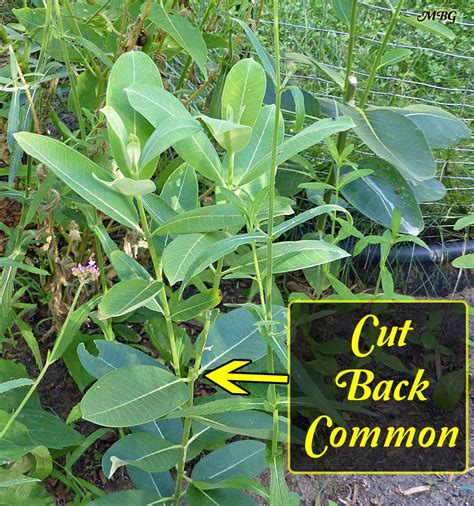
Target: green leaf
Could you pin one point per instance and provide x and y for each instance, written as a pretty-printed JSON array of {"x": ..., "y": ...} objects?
[
  {"x": 218, "y": 250},
  {"x": 237, "y": 482},
  {"x": 112, "y": 355},
  {"x": 232, "y": 404},
  {"x": 180, "y": 190},
  {"x": 434, "y": 27},
  {"x": 118, "y": 138},
  {"x": 266, "y": 60},
  {"x": 183, "y": 252},
  {"x": 464, "y": 222},
  {"x": 127, "y": 296},
  {"x": 302, "y": 140},
  {"x": 183, "y": 32},
  {"x": 159, "y": 210},
  {"x": 168, "y": 133},
  {"x": 10, "y": 370},
  {"x": 76, "y": 171},
  {"x": 343, "y": 10},
  {"x": 243, "y": 92},
  {"x": 14, "y": 383},
  {"x": 393, "y": 56},
  {"x": 127, "y": 497},
  {"x": 429, "y": 190},
  {"x": 233, "y": 335},
  {"x": 157, "y": 105},
  {"x": 188, "y": 309},
  {"x": 377, "y": 195},
  {"x": 280, "y": 494},
  {"x": 148, "y": 452},
  {"x": 390, "y": 136},
  {"x": 71, "y": 327},
  {"x": 24, "y": 267},
  {"x": 449, "y": 389},
  {"x": 202, "y": 220},
  {"x": 291, "y": 256},
  {"x": 16, "y": 442},
  {"x": 130, "y": 187},
  {"x": 48, "y": 430},
  {"x": 198, "y": 497},
  {"x": 398, "y": 141},
  {"x": 305, "y": 216},
  {"x": 161, "y": 484},
  {"x": 464, "y": 262},
  {"x": 441, "y": 128},
  {"x": 260, "y": 143},
  {"x": 132, "y": 67},
  {"x": 247, "y": 423},
  {"x": 231, "y": 136},
  {"x": 133, "y": 395},
  {"x": 240, "y": 458}
]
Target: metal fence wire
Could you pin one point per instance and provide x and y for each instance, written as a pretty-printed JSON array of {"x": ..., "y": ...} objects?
[{"x": 445, "y": 79}]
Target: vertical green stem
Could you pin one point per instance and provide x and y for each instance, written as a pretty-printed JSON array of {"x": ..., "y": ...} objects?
[
  {"x": 380, "y": 52},
  {"x": 103, "y": 281},
  {"x": 350, "y": 83},
  {"x": 72, "y": 79},
  {"x": 159, "y": 276},
  {"x": 271, "y": 212}
]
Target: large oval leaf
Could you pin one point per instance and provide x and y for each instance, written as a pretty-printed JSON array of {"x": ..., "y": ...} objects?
[
  {"x": 157, "y": 105},
  {"x": 233, "y": 335},
  {"x": 132, "y": 67},
  {"x": 441, "y": 128},
  {"x": 390, "y": 136},
  {"x": 112, "y": 355},
  {"x": 243, "y": 92},
  {"x": 377, "y": 195},
  {"x": 150, "y": 453},
  {"x": 240, "y": 458},
  {"x": 180, "y": 254},
  {"x": 180, "y": 190},
  {"x": 430, "y": 190},
  {"x": 128, "y": 295},
  {"x": 77, "y": 171},
  {"x": 133, "y": 395},
  {"x": 260, "y": 143}
]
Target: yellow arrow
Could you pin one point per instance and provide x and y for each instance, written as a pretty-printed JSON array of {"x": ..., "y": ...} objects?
[{"x": 225, "y": 375}]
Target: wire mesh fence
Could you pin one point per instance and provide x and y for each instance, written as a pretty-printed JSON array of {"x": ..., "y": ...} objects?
[{"x": 445, "y": 80}]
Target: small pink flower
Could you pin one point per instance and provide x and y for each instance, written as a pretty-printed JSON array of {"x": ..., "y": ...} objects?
[{"x": 86, "y": 273}]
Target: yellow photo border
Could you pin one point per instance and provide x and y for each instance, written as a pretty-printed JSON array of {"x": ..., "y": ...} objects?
[{"x": 381, "y": 301}]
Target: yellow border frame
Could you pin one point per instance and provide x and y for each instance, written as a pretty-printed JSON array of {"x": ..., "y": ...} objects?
[{"x": 374, "y": 301}]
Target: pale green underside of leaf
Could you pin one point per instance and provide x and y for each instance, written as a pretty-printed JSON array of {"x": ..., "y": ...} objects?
[
  {"x": 127, "y": 296},
  {"x": 76, "y": 171},
  {"x": 157, "y": 105},
  {"x": 291, "y": 256},
  {"x": 133, "y": 395}
]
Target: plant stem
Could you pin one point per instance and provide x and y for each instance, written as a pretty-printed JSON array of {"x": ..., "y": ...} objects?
[
  {"x": 192, "y": 376},
  {"x": 380, "y": 52},
  {"x": 350, "y": 83},
  {"x": 231, "y": 169},
  {"x": 159, "y": 277},
  {"x": 271, "y": 212},
  {"x": 72, "y": 79},
  {"x": 43, "y": 371}
]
